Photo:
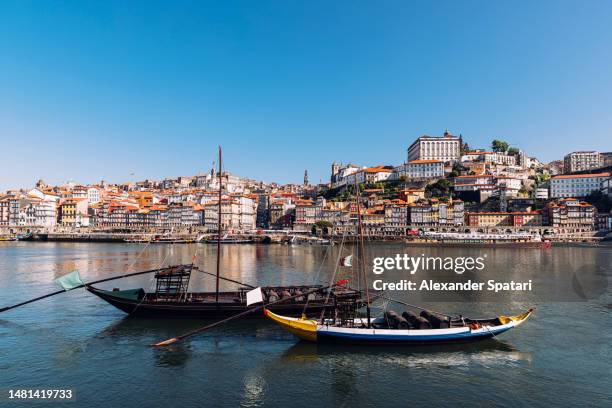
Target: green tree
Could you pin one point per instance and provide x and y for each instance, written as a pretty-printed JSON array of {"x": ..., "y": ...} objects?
[
  {"x": 439, "y": 189},
  {"x": 499, "y": 146},
  {"x": 601, "y": 201},
  {"x": 323, "y": 223}
]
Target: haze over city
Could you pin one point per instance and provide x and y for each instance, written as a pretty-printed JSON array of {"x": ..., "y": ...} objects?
[{"x": 136, "y": 91}]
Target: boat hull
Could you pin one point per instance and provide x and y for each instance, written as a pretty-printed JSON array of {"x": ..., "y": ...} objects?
[
  {"x": 311, "y": 330},
  {"x": 132, "y": 303}
]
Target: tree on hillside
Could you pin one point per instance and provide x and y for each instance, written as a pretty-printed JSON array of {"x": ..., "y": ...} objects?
[
  {"x": 440, "y": 188},
  {"x": 499, "y": 146},
  {"x": 601, "y": 201}
]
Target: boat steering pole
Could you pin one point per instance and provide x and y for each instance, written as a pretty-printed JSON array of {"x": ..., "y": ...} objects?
[{"x": 220, "y": 322}]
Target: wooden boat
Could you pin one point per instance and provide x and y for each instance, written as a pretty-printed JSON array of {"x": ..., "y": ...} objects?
[
  {"x": 28, "y": 236},
  {"x": 201, "y": 305},
  {"x": 380, "y": 332},
  {"x": 172, "y": 300},
  {"x": 226, "y": 239}
]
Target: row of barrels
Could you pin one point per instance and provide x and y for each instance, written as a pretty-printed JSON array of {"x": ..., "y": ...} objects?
[
  {"x": 409, "y": 320},
  {"x": 272, "y": 296}
]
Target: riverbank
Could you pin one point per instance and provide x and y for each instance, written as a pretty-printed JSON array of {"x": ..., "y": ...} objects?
[{"x": 301, "y": 240}]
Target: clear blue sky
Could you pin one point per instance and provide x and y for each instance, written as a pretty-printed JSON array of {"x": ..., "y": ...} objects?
[{"x": 99, "y": 90}]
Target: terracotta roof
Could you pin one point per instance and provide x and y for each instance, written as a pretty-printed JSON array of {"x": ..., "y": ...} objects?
[
  {"x": 569, "y": 176},
  {"x": 424, "y": 161},
  {"x": 475, "y": 176},
  {"x": 505, "y": 213}
]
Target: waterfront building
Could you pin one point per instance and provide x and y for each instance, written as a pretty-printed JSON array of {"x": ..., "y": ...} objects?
[
  {"x": 73, "y": 213},
  {"x": 576, "y": 185},
  {"x": 445, "y": 148},
  {"x": 373, "y": 221},
  {"x": 396, "y": 217},
  {"x": 182, "y": 214},
  {"x": 570, "y": 213},
  {"x": 4, "y": 210},
  {"x": 503, "y": 219},
  {"x": 45, "y": 213},
  {"x": 338, "y": 216},
  {"x": 281, "y": 214},
  {"x": 584, "y": 160},
  {"x": 307, "y": 213},
  {"x": 436, "y": 213},
  {"x": 263, "y": 211}
]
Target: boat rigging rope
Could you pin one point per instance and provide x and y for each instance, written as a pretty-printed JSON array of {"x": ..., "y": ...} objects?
[
  {"x": 317, "y": 276},
  {"x": 333, "y": 279},
  {"x": 150, "y": 284}
]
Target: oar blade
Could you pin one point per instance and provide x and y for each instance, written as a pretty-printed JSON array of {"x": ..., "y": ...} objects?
[{"x": 165, "y": 342}]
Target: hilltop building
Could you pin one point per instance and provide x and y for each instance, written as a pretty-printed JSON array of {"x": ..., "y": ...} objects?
[{"x": 446, "y": 148}]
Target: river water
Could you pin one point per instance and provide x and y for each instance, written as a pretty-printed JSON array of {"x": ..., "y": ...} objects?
[{"x": 560, "y": 356}]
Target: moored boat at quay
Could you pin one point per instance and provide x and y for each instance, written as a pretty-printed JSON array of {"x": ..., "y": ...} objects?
[{"x": 459, "y": 239}]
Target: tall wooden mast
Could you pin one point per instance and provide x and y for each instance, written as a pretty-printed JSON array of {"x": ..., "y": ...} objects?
[
  {"x": 362, "y": 251},
  {"x": 219, "y": 228}
]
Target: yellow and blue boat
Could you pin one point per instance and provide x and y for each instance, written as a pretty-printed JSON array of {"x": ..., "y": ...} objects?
[{"x": 379, "y": 331}]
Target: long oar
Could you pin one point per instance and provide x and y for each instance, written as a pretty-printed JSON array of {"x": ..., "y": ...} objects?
[
  {"x": 220, "y": 322},
  {"x": 227, "y": 279},
  {"x": 4, "y": 309}
]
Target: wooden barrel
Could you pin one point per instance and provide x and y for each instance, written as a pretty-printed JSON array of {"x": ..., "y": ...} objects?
[
  {"x": 299, "y": 297},
  {"x": 416, "y": 322},
  {"x": 437, "y": 321},
  {"x": 272, "y": 296},
  {"x": 396, "y": 321}
]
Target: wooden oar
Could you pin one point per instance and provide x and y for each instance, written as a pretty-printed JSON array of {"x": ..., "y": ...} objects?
[
  {"x": 220, "y": 322},
  {"x": 226, "y": 279},
  {"x": 4, "y": 309}
]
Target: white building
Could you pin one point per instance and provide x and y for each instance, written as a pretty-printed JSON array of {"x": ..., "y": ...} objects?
[
  {"x": 489, "y": 157},
  {"x": 541, "y": 193},
  {"x": 509, "y": 182},
  {"x": 45, "y": 214},
  {"x": 576, "y": 185},
  {"x": 446, "y": 148},
  {"x": 421, "y": 169},
  {"x": 93, "y": 195},
  {"x": 340, "y": 173},
  {"x": 578, "y": 161},
  {"x": 370, "y": 175}
]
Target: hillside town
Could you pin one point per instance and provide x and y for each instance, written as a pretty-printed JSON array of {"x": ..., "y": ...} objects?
[{"x": 444, "y": 185}]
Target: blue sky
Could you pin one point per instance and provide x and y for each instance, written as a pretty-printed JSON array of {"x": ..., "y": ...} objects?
[{"x": 99, "y": 90}]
